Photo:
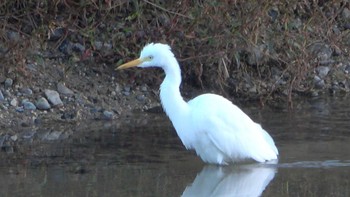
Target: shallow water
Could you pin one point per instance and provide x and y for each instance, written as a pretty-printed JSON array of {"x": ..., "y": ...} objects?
[{"x": 141, "y": 155}]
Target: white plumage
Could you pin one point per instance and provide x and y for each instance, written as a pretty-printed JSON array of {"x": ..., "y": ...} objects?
[{"x": 217, "y": 130}]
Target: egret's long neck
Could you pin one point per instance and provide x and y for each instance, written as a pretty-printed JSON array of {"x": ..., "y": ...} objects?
[{"x": 170, "y": 96}]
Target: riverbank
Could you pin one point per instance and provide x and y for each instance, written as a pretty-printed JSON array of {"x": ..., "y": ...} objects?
[{"x": 59, "y": 66}]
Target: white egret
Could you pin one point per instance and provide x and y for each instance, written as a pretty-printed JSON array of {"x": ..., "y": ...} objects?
[{"x": 216, "y": 129}]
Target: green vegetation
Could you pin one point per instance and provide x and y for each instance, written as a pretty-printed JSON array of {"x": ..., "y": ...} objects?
[{"x": 258, "y": 49}]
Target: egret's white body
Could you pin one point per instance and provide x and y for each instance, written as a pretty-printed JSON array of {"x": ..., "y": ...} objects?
[{"x": 216, "y": 129}]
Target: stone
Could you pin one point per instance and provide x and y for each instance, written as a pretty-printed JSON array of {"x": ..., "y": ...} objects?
[
  {"x": 346, "y": 13},
  {"x": 8, "y": 82},
  {"x": 26, "y": 91},
  {"x": 56, "y": 34},
  {"x": 13, "y": 36},
  {"x": 108, "y": 115},
  {"x": 78, "y": 47},
  {"x": 144, "y": 89},
  {"x": 141, "y": 97},
  {"x": 14, "y": 102},
  {"x": 98, "y": 45},
  {"x": 2, "y": 98},
  {"x": 322, "y": 51},
  {"x": 322, "y": 71},
  {"x": 19, "y": 109},
  {"x": 28, "y": 105},
  {"x": 54, "y": 135},
  {"x": 14, "y": 138},
  {"x": 54, "y": 97},
  {"x": 42, "y": 104},
  {"x": 62, "y": 89},
  {"x": 319, "y": 83},
  {"x": 29, "y": 134}
]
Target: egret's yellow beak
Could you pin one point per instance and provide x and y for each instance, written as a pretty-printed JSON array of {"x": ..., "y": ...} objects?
[{"x": 130, "y": 64}]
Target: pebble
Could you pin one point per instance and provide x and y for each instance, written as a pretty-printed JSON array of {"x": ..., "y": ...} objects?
[
  {"x": 65, "y": 47},
  {"x": 322, "y": 71},
  {"x": 26, "y": 91},
  {"x": 56, "y": 34},
  {"x": 8, "y": 82},
  {"x": 53, "y": 97},
  {"x": 19, "y": 109},
  {"x": 62, "y": 89},
  {"x": 13, "y": 36},
  {"x": 78, "y": 47},
  {"x": 14, "y": 138},
  {"x": 54, "y": 135},
  {"x": 98, "y": 45},
  {"x": 14, "y": 102},
  {"x": 2, "y": 98},
  {"x": 28, "y": 134},
  {"x": 140, "y": 97},
  {"x": 319, "y": 83},
  {"x": 144, "y": 88},
  {"x": 108, "y": 115},
  {"x": 68, "y": 115},
  {"x": 322, "y": 51},
  {"x": 127, "y": 88},
  {"x": 346, "y": 13},
  {"x": 28, "y": 105},
  {"x": 42, "y": 103}
]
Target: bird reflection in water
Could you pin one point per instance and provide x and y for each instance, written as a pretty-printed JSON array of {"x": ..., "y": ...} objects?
[{"x": 243, "y": 180}]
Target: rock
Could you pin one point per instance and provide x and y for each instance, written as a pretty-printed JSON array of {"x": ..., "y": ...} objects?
[
  {"x": 319, "y": 83},
  {"x": 14, "y": 102},
  {"x": 98, "y": 45},
  {"x": 62, "y": 89},
  {"x": 347, "y": 26},
  {"x": 273, "y": 13},
  {"x": 28, "y": 134},
  {"x": 56, "y": 34},
  {"x": 28, "y": 105},
  {"x": 66, "y": 47},
  {"x": 127, "y": 88},
  {"x": 296, "y": 23},
  {"x": 322, "y": 71},
  {"x": 42, "y": 104},
  {"x": 144, "y": 89},
  {"x": 13, "y": 36},
  {"x": 53, "y": 97},
  {"x": 54, "y": 135},
  {"x": 346, "y": 13},
  {"x": 322, "y": 51},
  {"x": 26, "y": 91},
  {"x": 14, "y": 138},
  {"x": 347, "y": 69},
  {"x": 8, "y": 83},
  {"x": 19, "y": 109},
  {"x": 68, "y": 115},
  {"x": 2, "y": 98},
  {"x": 108, "y": 115},
  {"x": 140, "y": 97},
  {"x": 3, "y": 140},
  {"x": 78, "y": 47}
]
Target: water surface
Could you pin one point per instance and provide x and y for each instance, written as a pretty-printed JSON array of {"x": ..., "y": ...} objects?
[{"x": 141, "y": 155}]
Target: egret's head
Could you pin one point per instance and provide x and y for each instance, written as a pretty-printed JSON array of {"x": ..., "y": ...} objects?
[{"x": 152, "y": 55}]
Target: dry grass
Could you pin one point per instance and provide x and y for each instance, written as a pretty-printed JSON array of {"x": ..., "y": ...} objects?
[{"x": 221, "y": 44}]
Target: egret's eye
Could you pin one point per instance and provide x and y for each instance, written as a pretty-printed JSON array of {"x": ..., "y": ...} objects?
[{"x": 150, "y": 57}]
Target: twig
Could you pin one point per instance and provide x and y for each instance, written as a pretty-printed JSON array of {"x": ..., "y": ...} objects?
[{"x": 161, "y": 8}]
